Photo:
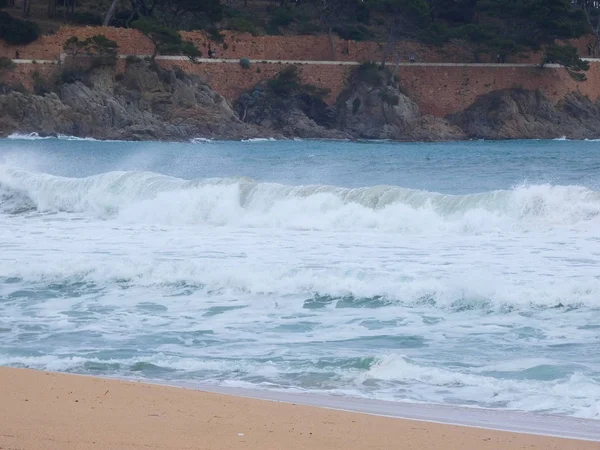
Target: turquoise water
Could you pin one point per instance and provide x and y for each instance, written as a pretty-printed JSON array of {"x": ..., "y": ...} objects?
[{"x": 459, "y": 273}]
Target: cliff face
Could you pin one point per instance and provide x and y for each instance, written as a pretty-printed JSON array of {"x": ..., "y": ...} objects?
[
  {"x": 383, "y": 112},
  {"x": 523, "y": 114},
  {"x": 143, "y": 104},
  {"x": 150, "y": 103},
  {"x": 361, "y": 112}
]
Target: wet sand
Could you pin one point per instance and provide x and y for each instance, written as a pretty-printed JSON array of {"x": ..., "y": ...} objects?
[{"x": 40, "y": 410}]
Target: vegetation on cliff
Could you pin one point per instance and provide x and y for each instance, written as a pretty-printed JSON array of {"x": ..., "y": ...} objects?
[{"x": 495, "y": 30}]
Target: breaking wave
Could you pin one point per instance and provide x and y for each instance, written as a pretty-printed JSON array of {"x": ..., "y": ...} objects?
[{"x": 154, "y": 198}]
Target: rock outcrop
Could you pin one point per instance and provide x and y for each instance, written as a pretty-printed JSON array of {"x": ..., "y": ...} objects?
[
  {"x": 523, "y": 114},
  {"x": 149, "y": 103},
  {"x": 293, "y": 112},
  {"x": 144, "y": 103},
  {"x": 362, "y": 111},
  {"x": 371, "y": 108}
]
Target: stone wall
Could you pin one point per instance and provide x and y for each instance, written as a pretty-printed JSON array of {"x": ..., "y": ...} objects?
[
  {"x": 439, "y": 90},
  {"x": 236, "y": 45},
  {"x": 231, "y": 80}
]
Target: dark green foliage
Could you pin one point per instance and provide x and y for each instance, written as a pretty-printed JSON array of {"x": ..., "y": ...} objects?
[
  {"x": 566, "y": 55},
  {"x": 3, "y": 3},
  {"x": 281, "y": 17},
  {"x": 190, "y": 50},
  {"x": 389, "y": 97},
  {"x": 362, "y": 13},
  {"x": 353, "y": 32},
  {"x": 242, "y": 25},
  {"x": 214, "y": 34},
  {"x": 86, "y": 18},
  {"x": 132, "y": 59},
  {"x": 6, "y": 63},
  {"x": 166, "y": 40},
  {"x": 314, "y": 91},
  {"x": 371, "y": 74},
  {"x": 272, "y": 30},
  {"x": 182, "y": 14},
  {"x": 308, "y": 28},
  {"x": 98, "y": 49},
  {"x": 513, "y": 25},
  {"x": 286, "y": 82},
  {"x": 245, "y": 63},
  {"x": 16, "y": 31}
]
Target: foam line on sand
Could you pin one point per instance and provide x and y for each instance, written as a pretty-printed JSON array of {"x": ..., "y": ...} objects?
[{"x": 41, "y": 410}]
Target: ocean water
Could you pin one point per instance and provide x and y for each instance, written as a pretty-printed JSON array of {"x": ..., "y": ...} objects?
[{"x": 456, "y": 273}]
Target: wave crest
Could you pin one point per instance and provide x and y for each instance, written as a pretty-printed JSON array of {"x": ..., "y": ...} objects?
[{"x": 150, "y": 197}]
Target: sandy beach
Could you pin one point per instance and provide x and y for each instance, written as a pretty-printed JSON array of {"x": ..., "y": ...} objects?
[{"x": 41, "y": 410}]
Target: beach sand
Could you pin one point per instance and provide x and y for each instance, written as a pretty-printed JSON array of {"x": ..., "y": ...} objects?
[{"x": 40, "y": 410}]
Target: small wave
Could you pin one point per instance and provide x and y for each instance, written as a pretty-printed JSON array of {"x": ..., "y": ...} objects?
[
  {"x": 61, "y": 137},
  {"x": 256, "y": 140},
  {"x": 201, "y": 141}
]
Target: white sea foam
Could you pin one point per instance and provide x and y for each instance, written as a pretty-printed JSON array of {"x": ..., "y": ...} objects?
[
  {"x": 257, "y": 140},
  {"x": 152, "y": 198},
  {"x": 378, "y": 292},
  {"x": 64, "y": 137}
]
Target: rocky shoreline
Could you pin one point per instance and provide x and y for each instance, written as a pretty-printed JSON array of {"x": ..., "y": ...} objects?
[{"x": 149, "y": 103}]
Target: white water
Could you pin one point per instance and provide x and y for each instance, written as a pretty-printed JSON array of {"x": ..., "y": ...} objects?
[{"x": 487, "y": 299}]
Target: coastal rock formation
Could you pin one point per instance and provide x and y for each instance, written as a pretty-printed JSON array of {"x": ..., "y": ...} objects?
[
  {"x": 524, "y": 114},
  {"x": 144, "y": 103},
  {"x": 379, "y": 111},
  {"x": 293, "y": 112},
  {"x": 147, "y": 102}
]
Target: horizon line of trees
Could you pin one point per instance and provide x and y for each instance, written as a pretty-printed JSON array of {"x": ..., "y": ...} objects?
[{"x": 500, "y": 29}]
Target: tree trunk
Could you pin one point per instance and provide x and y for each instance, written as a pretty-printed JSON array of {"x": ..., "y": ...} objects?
[
  {"x": 389, "y": 45},
  {"x": 26, "y": 8},
  {"x": 331, "y": 42},
  {"x": 110, "y": 13},
  {"x": 51, "y": 8}
]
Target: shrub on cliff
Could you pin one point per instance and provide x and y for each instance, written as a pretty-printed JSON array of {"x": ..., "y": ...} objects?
[
  {"x": 166, "y": 40},
  {"x": 98, "y": 51},
  {"x": 242, "y": 25},
  {"x": 566, "y": 56},
  {"x": 6, "y": 64},
  {"x": 287, "y": 83},
  {"x": 16, "y": 31},
  {"x": 370, "y": 73},
  {"x": 245, "y": 63}
]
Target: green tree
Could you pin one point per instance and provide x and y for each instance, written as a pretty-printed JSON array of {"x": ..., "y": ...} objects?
[
  {"x": 566, "y": 55},
  {"x": 17, "y": 31},
  {"x": 591, "y": 9},
  {"x": 166, "y": 40},
  {"x": 404, "y": 17}
]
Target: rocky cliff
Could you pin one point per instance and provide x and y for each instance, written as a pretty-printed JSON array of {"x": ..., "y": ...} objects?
[
  {"x": 523, "y": 114},
  {"x": 149, "y": 103},
  {"x": 144, "y": 103},
  {"x": 364, "y": 110}
]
